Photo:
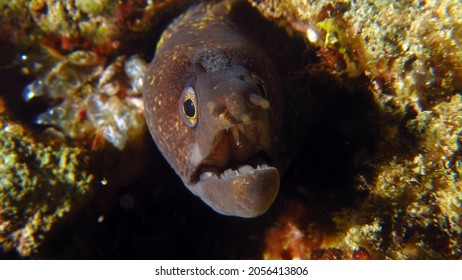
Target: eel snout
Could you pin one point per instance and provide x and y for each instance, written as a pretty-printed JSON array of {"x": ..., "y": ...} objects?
[
  {"x": 246, "y": 191},
  {"x": 235, "y": 178}
]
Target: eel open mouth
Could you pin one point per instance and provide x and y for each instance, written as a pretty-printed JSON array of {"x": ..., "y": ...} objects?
[{"x": 236, "y": 177}]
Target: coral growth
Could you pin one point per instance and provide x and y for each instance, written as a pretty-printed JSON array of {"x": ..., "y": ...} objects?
[
  {"x": 94, "y": 98},
  {"x": 62, "y": 26}
]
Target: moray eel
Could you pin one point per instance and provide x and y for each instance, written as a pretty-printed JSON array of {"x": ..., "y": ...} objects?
[{"x": 213, "y": 105}]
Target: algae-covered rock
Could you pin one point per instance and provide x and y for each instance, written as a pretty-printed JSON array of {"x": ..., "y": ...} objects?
[
  {"x": 65, "y": 25},
  {"x": 41, "y": 183},
  {"x": 409, "y": 56},
  {"x": 92, "y": 133}
]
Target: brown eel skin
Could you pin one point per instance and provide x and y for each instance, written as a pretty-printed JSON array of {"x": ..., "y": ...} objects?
[{"x": 214, "y": 106}]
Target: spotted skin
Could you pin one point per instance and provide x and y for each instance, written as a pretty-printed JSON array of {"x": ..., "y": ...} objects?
[{"x": 225, "y": 153}]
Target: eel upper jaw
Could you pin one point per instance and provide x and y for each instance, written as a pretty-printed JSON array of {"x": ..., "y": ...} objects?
[{"x": 246, "y": 187}]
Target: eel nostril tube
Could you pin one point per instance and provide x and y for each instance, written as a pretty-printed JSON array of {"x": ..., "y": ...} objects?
[{"x": 259, "y": 101}]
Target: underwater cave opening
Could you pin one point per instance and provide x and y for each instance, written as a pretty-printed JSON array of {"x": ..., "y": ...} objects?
[{"x": 340, "y": 135}]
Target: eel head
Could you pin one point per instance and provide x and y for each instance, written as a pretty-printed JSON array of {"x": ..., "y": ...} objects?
[
  {"x": 213, "y": 119},
  {"x": 232, "y": 153}
]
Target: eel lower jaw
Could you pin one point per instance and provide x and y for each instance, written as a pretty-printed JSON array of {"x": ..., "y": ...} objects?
[{"x": 246, "y": 191}]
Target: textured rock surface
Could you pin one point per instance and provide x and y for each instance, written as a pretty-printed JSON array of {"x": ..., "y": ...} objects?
[
  {"x": 41, "y": 182},
  {"x": 409, "y": 55},
  {"x": 93, "y": 104}
]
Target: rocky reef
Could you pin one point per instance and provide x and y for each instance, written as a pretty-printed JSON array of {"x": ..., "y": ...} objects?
[
  {"x": 41, "y": 182},
  {"x": 376, "y": 90},
  {"x": 407, "y": 185},
  {"x": 86, "y": 99}
]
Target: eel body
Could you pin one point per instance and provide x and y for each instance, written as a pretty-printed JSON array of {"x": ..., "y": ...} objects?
[{"x": 213, "y": 105}]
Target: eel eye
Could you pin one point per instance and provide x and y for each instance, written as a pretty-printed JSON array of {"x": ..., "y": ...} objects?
[
  {"x": 260, "y": 84},
  {"x": 188, "y": 106}
]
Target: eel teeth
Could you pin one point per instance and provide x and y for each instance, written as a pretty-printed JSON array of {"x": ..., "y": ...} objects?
[
  {"x": 231, "y": 173},
  {"x": 207, "y": 175},
  {"x": 241, "y": 128},
  {"x": 262, "y": 166},
  {"x": 235, "y": 132},
  {"x": 228, "y": 173},
  {"x": 245, "y": 169}
]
